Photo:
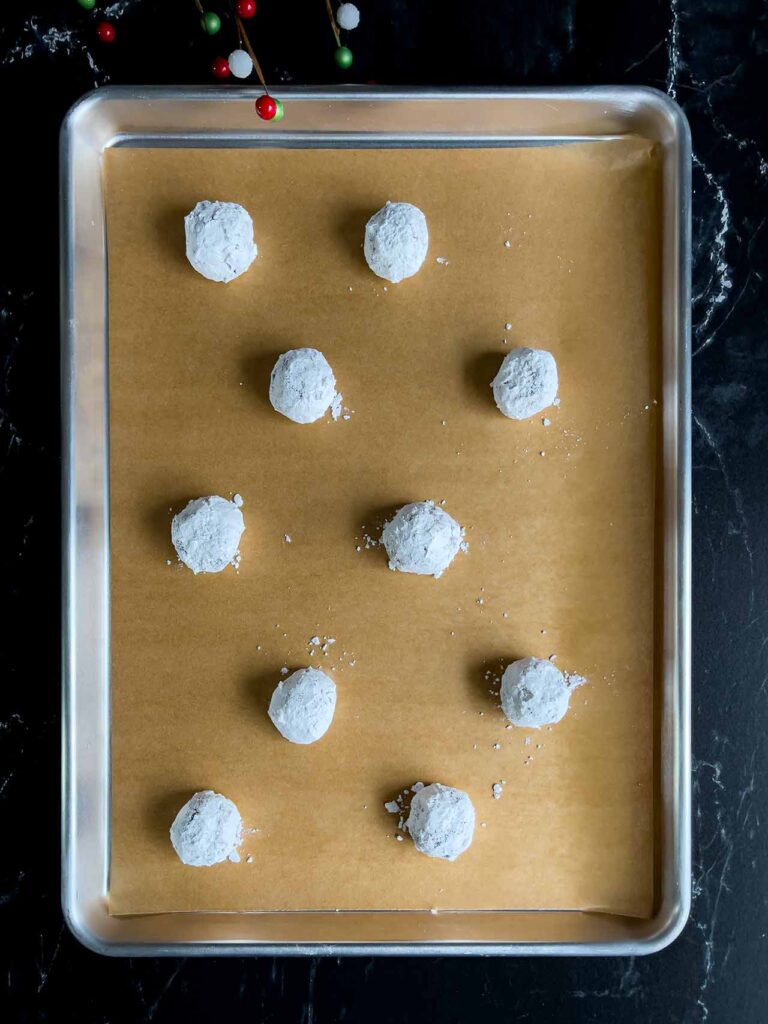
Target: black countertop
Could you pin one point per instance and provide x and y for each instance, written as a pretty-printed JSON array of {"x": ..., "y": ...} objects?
[{"x": 709, "y": 55}]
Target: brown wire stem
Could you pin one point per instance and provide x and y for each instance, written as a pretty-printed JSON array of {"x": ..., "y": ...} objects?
[
  {"x": 247, "y": 43},
  {"x": 334, "y": 26},
  {"x": 199, "y": 6}
]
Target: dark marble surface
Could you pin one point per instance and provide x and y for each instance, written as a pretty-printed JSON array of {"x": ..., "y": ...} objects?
[{"x": 711, "y": 56}]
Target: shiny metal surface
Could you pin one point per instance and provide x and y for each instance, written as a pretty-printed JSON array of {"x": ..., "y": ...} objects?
[{"x": 345, "y": 117}]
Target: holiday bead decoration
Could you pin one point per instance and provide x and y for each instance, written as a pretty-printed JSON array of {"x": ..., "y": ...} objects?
[
  {"x": 211, "y": 23},
  {"x": 105, "y": 30},
  {"x": 343, "y": 57},
  {"x": 87, "y": 4},
  {"x": 266, "y": 108},
  {"x": 347, "y": 17},
  {"x": 240, "y": 64},
  {"x": 220, "y": 67},
  {"x": 242, "y": 61}
]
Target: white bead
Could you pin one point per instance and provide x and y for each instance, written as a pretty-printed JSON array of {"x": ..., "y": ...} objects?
[
  {"x": 240, "y": 64},
  {"x": 347, "y": 16}
]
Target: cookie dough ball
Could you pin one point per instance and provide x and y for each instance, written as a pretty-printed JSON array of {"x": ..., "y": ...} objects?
[
  {"x": 422, "y": 538},
  {"x": 206, "y": 533},
  {"x": 347, "y": 17},
  {"x": 302, "y": 705},
  {"x": 534, "y": 693},
  {"x": 396, "y": 241},
  {"x": 441, "y": 822},
  {"x": 526, "y": 383},
  {"x": 207, "y": 830},
  {"x": 302, "y": 386},
  {"x": 220, "y": 243}
]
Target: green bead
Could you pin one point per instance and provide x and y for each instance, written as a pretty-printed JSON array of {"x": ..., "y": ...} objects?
[
  {"x": 279, "y": 111},
  {"x": 87, "y": 4},
  {"x": 343, "y": 57},
  {"x": 211, "y": 23}
]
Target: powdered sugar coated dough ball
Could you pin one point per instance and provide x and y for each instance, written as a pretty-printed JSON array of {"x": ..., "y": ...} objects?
[
  {"x": 206, "y": 533},
  {"x": 302, "y": 705},
  {"x": 534, "y": 693},
  {"x": 421, "y": 538},
  {"x": 396, "y": 241},
  {"x": 526, "y": 383},
  {"x": 220, "y": 243},
  {"x": 441, "y": 822},
  {"x": 207, "y": 830},
  {"x": 302, "y": 386},
  {"x": 347, "y": 17}
]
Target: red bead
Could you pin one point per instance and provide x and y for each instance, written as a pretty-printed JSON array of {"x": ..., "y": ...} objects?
[
  {"x": 246, "y": 8},
  {"x": 105, "y": 30},
  {"x": 266, "y": 108},
  {"x": 220, "y": 67}
]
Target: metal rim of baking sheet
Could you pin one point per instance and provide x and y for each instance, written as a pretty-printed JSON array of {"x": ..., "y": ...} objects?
[{"x": 210, "y": 117}]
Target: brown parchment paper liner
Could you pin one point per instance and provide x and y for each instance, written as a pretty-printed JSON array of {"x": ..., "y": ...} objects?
[{"x": 560, "y": 519}]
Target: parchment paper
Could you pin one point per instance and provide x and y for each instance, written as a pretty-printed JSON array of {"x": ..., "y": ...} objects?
[{"x": 561, "y": 522}]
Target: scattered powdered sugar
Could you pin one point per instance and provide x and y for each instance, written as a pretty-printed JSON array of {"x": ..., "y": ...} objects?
[
  {"x": 302, "y": 386},
  {"x": 207, "y": 532},
  {"x": 534, "y": 692},
  {"x": 117, "y": 10},
  {"x": 441, "y": 822},
  {"x": 368, "y": 541},
  {"x": 207, "y": 830},
  {"x": 32, "y": 42},
  {"x": 526, "y": 383},
  {"x": 507, "y": 327},
  {"x": 442, "y": 261},
  {"x": 396, "y": 241},
  {"x": 303, "y": 705},
  {"x": 220, "y": 243},
  {"x": 422, "y": 538}
]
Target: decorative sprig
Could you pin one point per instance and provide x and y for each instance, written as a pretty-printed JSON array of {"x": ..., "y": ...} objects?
[{"x": 342, "y": 54}]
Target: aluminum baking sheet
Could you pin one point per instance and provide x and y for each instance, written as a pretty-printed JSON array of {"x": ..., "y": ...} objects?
[{"x": 380, "y": 119}]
